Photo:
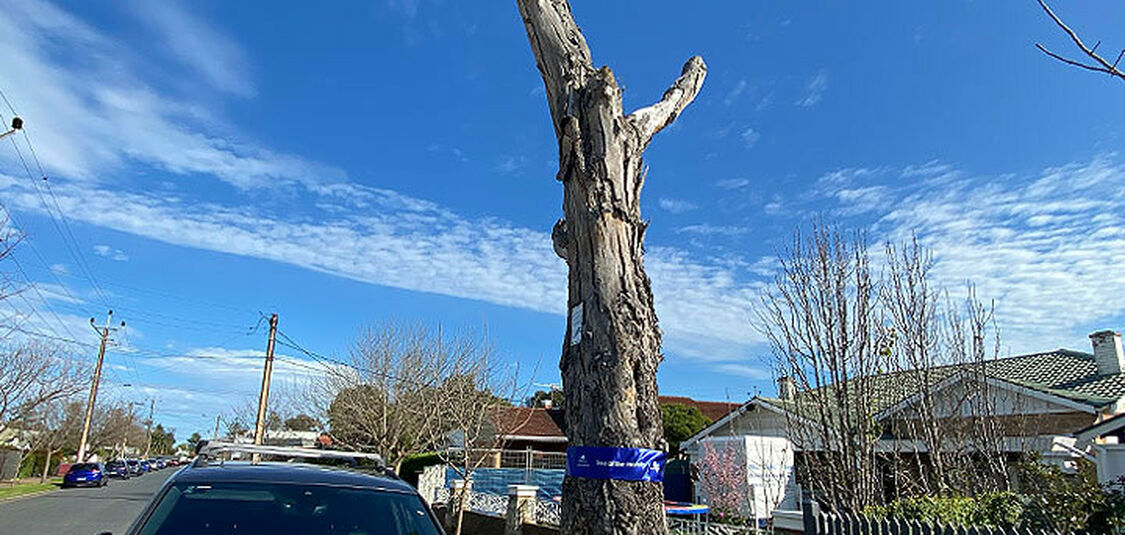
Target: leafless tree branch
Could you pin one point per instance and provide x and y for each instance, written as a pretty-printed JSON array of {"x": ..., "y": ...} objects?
[{"x": 1100, "y": 63}]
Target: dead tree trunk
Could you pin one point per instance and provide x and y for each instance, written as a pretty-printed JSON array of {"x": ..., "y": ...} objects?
[{"x": 612, "y": 347}]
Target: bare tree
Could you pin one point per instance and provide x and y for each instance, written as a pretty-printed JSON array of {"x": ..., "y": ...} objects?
[
  {"x": 612, "y": 347},
  {"x": 891, "y": 374},
  {"x": 821, "y": 319},
  {"x": 33, "y": 374},
  {"x": 1095, "y": 62},
  {"x": 475, "y": 419},
  {"x": 938, "y": 355},
  {"x": 53, "y": 425}
]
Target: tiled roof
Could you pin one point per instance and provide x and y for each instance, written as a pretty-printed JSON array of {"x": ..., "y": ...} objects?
[
  {"x": 531, "y": 422},
  {"x": 551, "y": 423},
  {"x": 1072, "y": 375},
  {"x": 713, "y": 410}
]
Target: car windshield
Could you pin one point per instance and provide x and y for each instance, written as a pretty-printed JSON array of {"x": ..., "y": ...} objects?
[
  {"x": 114, "y": 464},
  {"x": 132, "y": 463},
  {"x": 83, "y": 467},
  {"x": 271, "y": 508}
]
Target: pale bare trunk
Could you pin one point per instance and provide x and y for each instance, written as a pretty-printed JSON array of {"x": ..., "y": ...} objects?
[
  {"x": 46, "y": 467},
  {"x": 612, "y": 347}
]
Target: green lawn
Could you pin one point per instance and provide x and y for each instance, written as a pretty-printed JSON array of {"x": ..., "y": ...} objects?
[{"x": 7, "y": 490}]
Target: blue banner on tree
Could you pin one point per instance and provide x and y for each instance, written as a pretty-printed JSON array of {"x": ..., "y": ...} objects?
[{"x": 630, "y": 464}]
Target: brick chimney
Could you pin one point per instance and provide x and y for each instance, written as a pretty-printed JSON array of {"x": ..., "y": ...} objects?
[
  {"x": 786, "y": 388},
  {"x": 1107, "y": 352}
]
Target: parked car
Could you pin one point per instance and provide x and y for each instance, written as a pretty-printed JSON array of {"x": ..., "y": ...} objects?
[
  {"x": 145, "y": 467},
  {"x": 117, "y": 469},
  {"x": 135, "y": 467},
  {"x": 275, "y": 497},
  {"x": 160, "y": 464},
  {"x": 85, "y": 475}
]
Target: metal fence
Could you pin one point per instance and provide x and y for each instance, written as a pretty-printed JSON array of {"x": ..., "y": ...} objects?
[
  {"x": 525, "y": 459},
  {"x": 820, "y": 522},
  {"x": 684, "y": 526}
]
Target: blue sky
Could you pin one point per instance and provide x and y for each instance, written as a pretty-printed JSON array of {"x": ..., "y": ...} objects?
[{"x": 394, "y": 159}]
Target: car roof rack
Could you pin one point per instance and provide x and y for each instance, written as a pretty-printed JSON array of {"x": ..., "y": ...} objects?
[{"x": 210, "y": 449}]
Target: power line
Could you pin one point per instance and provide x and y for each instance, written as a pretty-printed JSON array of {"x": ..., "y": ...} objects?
[
  {"x": 64, "y": 230},
  {"x": 43, "y": 299}
]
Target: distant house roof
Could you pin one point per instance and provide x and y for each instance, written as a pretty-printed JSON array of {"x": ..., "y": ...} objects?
[
  {"x": 526, "y": 423},
  {"x": 1069, "y": 377},
  {"x": 713, "y": 410},
  {"x": 531, "y": 423}
]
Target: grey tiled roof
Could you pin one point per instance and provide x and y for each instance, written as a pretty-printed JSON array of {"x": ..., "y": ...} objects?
[{"x": 1068, "y": 374}]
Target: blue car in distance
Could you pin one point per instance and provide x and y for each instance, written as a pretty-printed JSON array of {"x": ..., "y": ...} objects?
[
  {"x": 85, "y": 475},
  {"x": 117, "y": 469},
  {"x": 145, "y": 467}
]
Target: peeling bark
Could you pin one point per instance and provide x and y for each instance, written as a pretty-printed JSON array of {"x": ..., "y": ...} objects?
[{"x": 609, "y": 375}]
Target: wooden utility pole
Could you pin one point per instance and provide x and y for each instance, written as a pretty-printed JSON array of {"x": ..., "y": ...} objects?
[
  {"x": 216, "y": 435},
  {"x": 104, "y": 333},
  {"x": 264, "y": 396},
  {"x": 612, "y": 346},
  {"x": 148, "y": 432},
  {"x": 125, "y": 437}
]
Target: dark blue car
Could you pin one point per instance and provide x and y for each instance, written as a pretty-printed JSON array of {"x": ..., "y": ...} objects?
[
  {"x": 274, "y": 498},
  {"x": 145, "y": 467},
  {"x": 85, "y": 475},
  {"x": 117, "y": 469}
]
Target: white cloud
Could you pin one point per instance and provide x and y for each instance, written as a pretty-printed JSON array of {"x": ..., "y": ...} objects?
[
  {"x": 110, "y": 253},
  {"x": 408, "y": 8},
  {"x": 735, "y": 92},
  {"x": 90, "y": 114},
  {"x": 199, "y": 45},
  {"x": 750, "y": 137},
  {"x": 510, "y": 164},
  {"x": 759, "y": 371},
  {"x": 707, "y": 229},
  {"x": 676, "y": 206},
  {"x": 1047, "y": 248},
  {"x": 385, "y": 238},
  {"x": 814, "y": 89},
  {"x": 733, "y": 183}
]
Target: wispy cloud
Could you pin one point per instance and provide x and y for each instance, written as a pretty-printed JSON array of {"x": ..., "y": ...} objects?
[
  {"x": 104, "y": 117},
  {"x": 110, "y": 253},
  {"x": 733, "y": 183},
  {"x": 411, "y": 244},
  {"x": 1047, "y": 248},
  {"x": 735, "y": 92},
  {"x": 750, "y": 137},
  {"x": 509, "y": 164},
  {"x": 676, "y": 206},
  {"x": 198, "y": 44},
  {"x": 814, "y": 89},
  {"x": 711, "y": 230},
  {"x": 408, "y": 8}
]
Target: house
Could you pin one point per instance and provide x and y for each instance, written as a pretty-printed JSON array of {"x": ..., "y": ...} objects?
[
  {"x": 1042, "y": 402},
  {"x": 544, "y": 428}
]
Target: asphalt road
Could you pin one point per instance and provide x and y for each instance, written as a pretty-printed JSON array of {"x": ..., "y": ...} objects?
[{"x": 82, "y": 511}]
